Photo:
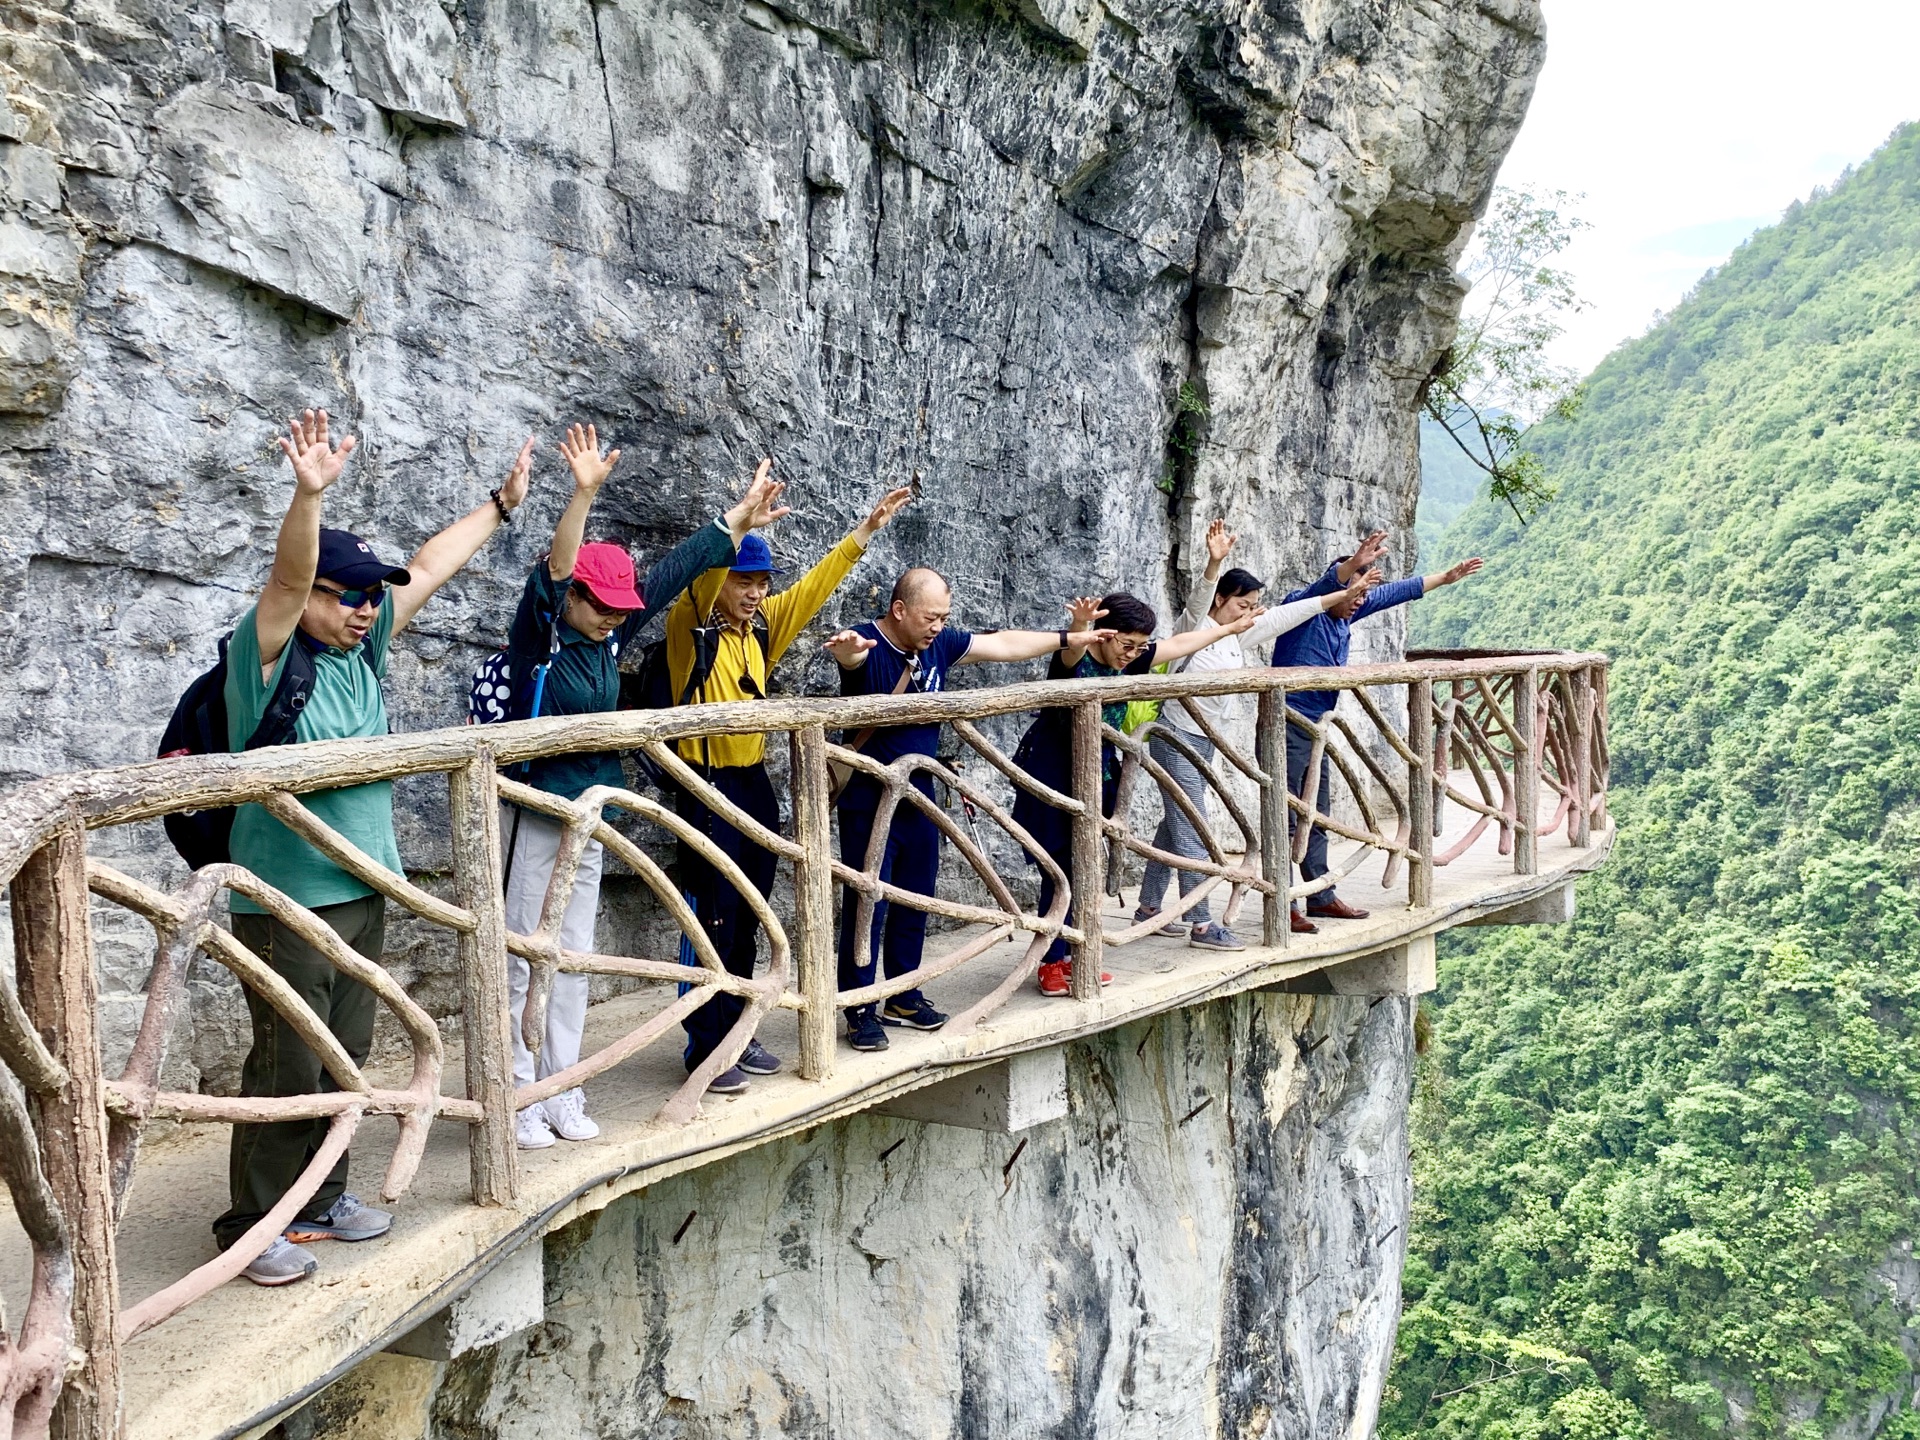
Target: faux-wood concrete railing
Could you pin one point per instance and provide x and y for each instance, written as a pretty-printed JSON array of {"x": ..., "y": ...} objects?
[{"x": 1486, "y": 732}]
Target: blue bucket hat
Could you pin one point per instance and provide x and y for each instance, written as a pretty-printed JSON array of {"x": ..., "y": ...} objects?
[{"x": 754, "y": 557}]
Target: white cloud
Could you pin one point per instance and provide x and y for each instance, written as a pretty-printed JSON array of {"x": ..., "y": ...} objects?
[{"x": 1690, "y": 123}]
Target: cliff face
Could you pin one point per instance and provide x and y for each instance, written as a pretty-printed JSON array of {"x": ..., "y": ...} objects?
[
  {"x": 1209, "y": 1245},
  {"x": 988, "y": 249},
  {"x": 1084, "y": 273}
]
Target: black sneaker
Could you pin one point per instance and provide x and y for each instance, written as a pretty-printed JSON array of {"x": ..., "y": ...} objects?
[
  {"x": 730, "y": 1081},
  {"x": 912, "y": 1011},
  {"x": 756, "y": 1059},
  {"x": 864, "y": 1032}
]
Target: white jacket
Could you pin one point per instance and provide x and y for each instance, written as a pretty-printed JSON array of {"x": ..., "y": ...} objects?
[{"x": 1229, "y": 653}]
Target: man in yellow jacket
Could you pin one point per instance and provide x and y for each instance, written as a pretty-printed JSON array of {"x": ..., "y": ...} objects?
[{"x": 713, "y": 655}]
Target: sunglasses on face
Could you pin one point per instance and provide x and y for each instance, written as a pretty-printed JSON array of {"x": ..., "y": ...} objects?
[
  {"x": 594, "y": 605},
  {"x": 372, "y": 595}
]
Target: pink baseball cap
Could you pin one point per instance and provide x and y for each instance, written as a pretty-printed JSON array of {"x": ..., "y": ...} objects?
[{"x": 606, "y": 570}]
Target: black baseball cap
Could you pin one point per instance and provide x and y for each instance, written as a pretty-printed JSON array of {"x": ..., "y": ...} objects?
[{"x": 347, "y": 558}]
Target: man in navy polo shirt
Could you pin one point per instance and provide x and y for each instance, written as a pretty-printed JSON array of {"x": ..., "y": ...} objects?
[
  {"x": 914, "y": 640},
  {"x": 1324, "y": 641}
]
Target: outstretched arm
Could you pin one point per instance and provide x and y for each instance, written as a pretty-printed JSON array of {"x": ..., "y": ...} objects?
[
  {"x": 849, "y": 649},
  {"x": 1220, "y": 543},
  {"x": 440, "y": 559},
  {"x": 1370, "y": 550},
  {"x": 1191, "y": 642},
  {"x": 1453, "y": 575},
  {"x": 317, "y": 463},
  {"x": 1005, "y": 645},
  {"x": 581, "y": 449}
]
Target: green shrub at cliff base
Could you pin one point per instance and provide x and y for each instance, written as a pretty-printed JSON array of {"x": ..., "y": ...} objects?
[{"x": 1667, "y": 1158}]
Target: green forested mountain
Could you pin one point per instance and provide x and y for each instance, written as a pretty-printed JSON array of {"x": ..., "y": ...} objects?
[{"x": 1668, "y": 1157}]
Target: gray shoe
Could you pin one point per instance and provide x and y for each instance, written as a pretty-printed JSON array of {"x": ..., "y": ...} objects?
[
  {"x": 281, "y": 1263},
  {"x": 345, "y": 1219},
  {"x": 730, "y": 1081},
  {"x": 1214, "y": 937},
  {"x": 1175, "y": 926},
  {"x": 756, "y": 1059}
]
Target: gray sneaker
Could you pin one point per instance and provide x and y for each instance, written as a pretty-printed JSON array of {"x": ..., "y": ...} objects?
[
  {"x": 1214, "y": 937},
  {"x": 281, "y": 1263},
  {"x": 1175, "y": 926},
  {"x": 345, "y": 1219}
]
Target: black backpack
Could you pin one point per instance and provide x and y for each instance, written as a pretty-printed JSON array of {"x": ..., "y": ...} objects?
[
  {"x": 198, "y": 726},
  {"x": 649, "y": 685}
]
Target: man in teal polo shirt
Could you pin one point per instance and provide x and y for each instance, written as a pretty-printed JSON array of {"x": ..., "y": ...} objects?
[{"x": 329, "y": 594}]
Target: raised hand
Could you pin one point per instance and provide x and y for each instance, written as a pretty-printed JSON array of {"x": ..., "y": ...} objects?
[
  {"x": 1456, "y": 573},
  {"x": 1219, "y": 542},
  {"x": 1245, "y": 622},
  {"x": 1084, "y": 610},
  {"x": 1348, "y": 601},
  {"x": 513, "y": 489},
  {"x": 885, "y": 510},
  {"x": 848, "y": 647},
  {"x": 1081, "y": 639},
  {"x": 581, "y": 450},
  {"x": 760, "y": 506},
  {"x": 1370, "y": 550},
  {"x": 316, "y": 462}
]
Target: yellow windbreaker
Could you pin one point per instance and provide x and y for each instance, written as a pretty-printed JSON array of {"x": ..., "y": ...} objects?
[{"x": 785, "y": 614}]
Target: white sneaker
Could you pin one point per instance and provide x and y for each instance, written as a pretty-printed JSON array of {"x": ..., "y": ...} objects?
[
  {"x": 530, "y": 1128},
  {"x": 567, "y": 1114}
]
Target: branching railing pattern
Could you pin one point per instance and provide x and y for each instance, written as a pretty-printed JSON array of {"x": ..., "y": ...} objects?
[{"x": 1490, "y": 734}]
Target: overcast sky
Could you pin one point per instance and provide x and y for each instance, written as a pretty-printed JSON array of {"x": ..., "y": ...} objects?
[{"x": 1690, "y": 123}]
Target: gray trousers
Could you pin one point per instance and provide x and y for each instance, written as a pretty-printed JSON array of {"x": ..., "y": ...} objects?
[
  {"x": 529, "y": 856},
  {"x": 1176, "y": 832}
]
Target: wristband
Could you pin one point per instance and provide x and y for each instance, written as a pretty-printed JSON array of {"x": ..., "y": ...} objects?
[
  {"x": 506, "y": 515},
  {"x": 1063, "y": 639}
]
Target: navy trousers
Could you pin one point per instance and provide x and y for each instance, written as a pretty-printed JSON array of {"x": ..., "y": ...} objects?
[
  {"x": 730, "y": 923},
  {"x": 911, "y": 861}
]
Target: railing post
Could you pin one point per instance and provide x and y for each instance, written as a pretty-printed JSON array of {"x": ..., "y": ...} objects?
[
  {"x": 1276, "y": 858},
  {"x": 1087, "y": 879},
  {"x": 819, "y": 963},
  {"x": 53, "y": 960},
  {"x": 1526, "y": 773},
  {"x": 474, "y": 795},
  {"x": 1580, "y": 744},
  {"x": 1601, "y": 738},
  {"x": 1420, "y": 792}
]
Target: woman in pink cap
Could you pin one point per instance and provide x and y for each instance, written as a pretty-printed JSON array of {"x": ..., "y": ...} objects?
[{"x": 580, "y": 610}]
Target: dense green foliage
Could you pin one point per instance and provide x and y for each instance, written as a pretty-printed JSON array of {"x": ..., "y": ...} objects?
[{"x": 1668, "y": 1157}]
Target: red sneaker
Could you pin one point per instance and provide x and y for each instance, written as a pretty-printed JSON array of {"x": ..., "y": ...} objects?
[{"x": 1056, "y": 978}]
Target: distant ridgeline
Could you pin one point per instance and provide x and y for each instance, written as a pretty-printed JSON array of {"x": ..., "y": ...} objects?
[{"x": 1667, "y": 1158}]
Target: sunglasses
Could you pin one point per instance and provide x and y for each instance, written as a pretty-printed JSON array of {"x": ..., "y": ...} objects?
[
  {"x": 585, "y": 597},
  {"x": 374, "y": 595}
]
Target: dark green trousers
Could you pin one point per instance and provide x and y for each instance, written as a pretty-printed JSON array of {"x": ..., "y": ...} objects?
[{"x": 266, "y": 1160}]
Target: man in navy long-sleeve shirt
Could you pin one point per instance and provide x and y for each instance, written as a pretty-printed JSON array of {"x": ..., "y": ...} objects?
[{"x": 1324, "y": 641}]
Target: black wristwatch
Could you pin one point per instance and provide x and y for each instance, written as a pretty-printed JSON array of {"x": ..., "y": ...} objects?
[{"x": 1063, "y": 639}]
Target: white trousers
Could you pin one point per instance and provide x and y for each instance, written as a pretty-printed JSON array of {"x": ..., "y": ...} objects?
[{"x": 530, "y": 854}]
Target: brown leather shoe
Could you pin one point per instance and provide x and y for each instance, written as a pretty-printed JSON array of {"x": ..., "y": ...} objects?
[
  {"x": 1336, "y": 909},
  {"x": 1299, "y": 923}
]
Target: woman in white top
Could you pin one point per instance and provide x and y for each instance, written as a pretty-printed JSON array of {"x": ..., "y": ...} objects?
[{"x": 1217, "y": 600}]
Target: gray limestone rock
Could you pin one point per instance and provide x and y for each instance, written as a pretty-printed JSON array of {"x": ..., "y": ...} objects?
[
  {"x": 243, "y": 187},
  {"x": 403, "y": 54}
]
